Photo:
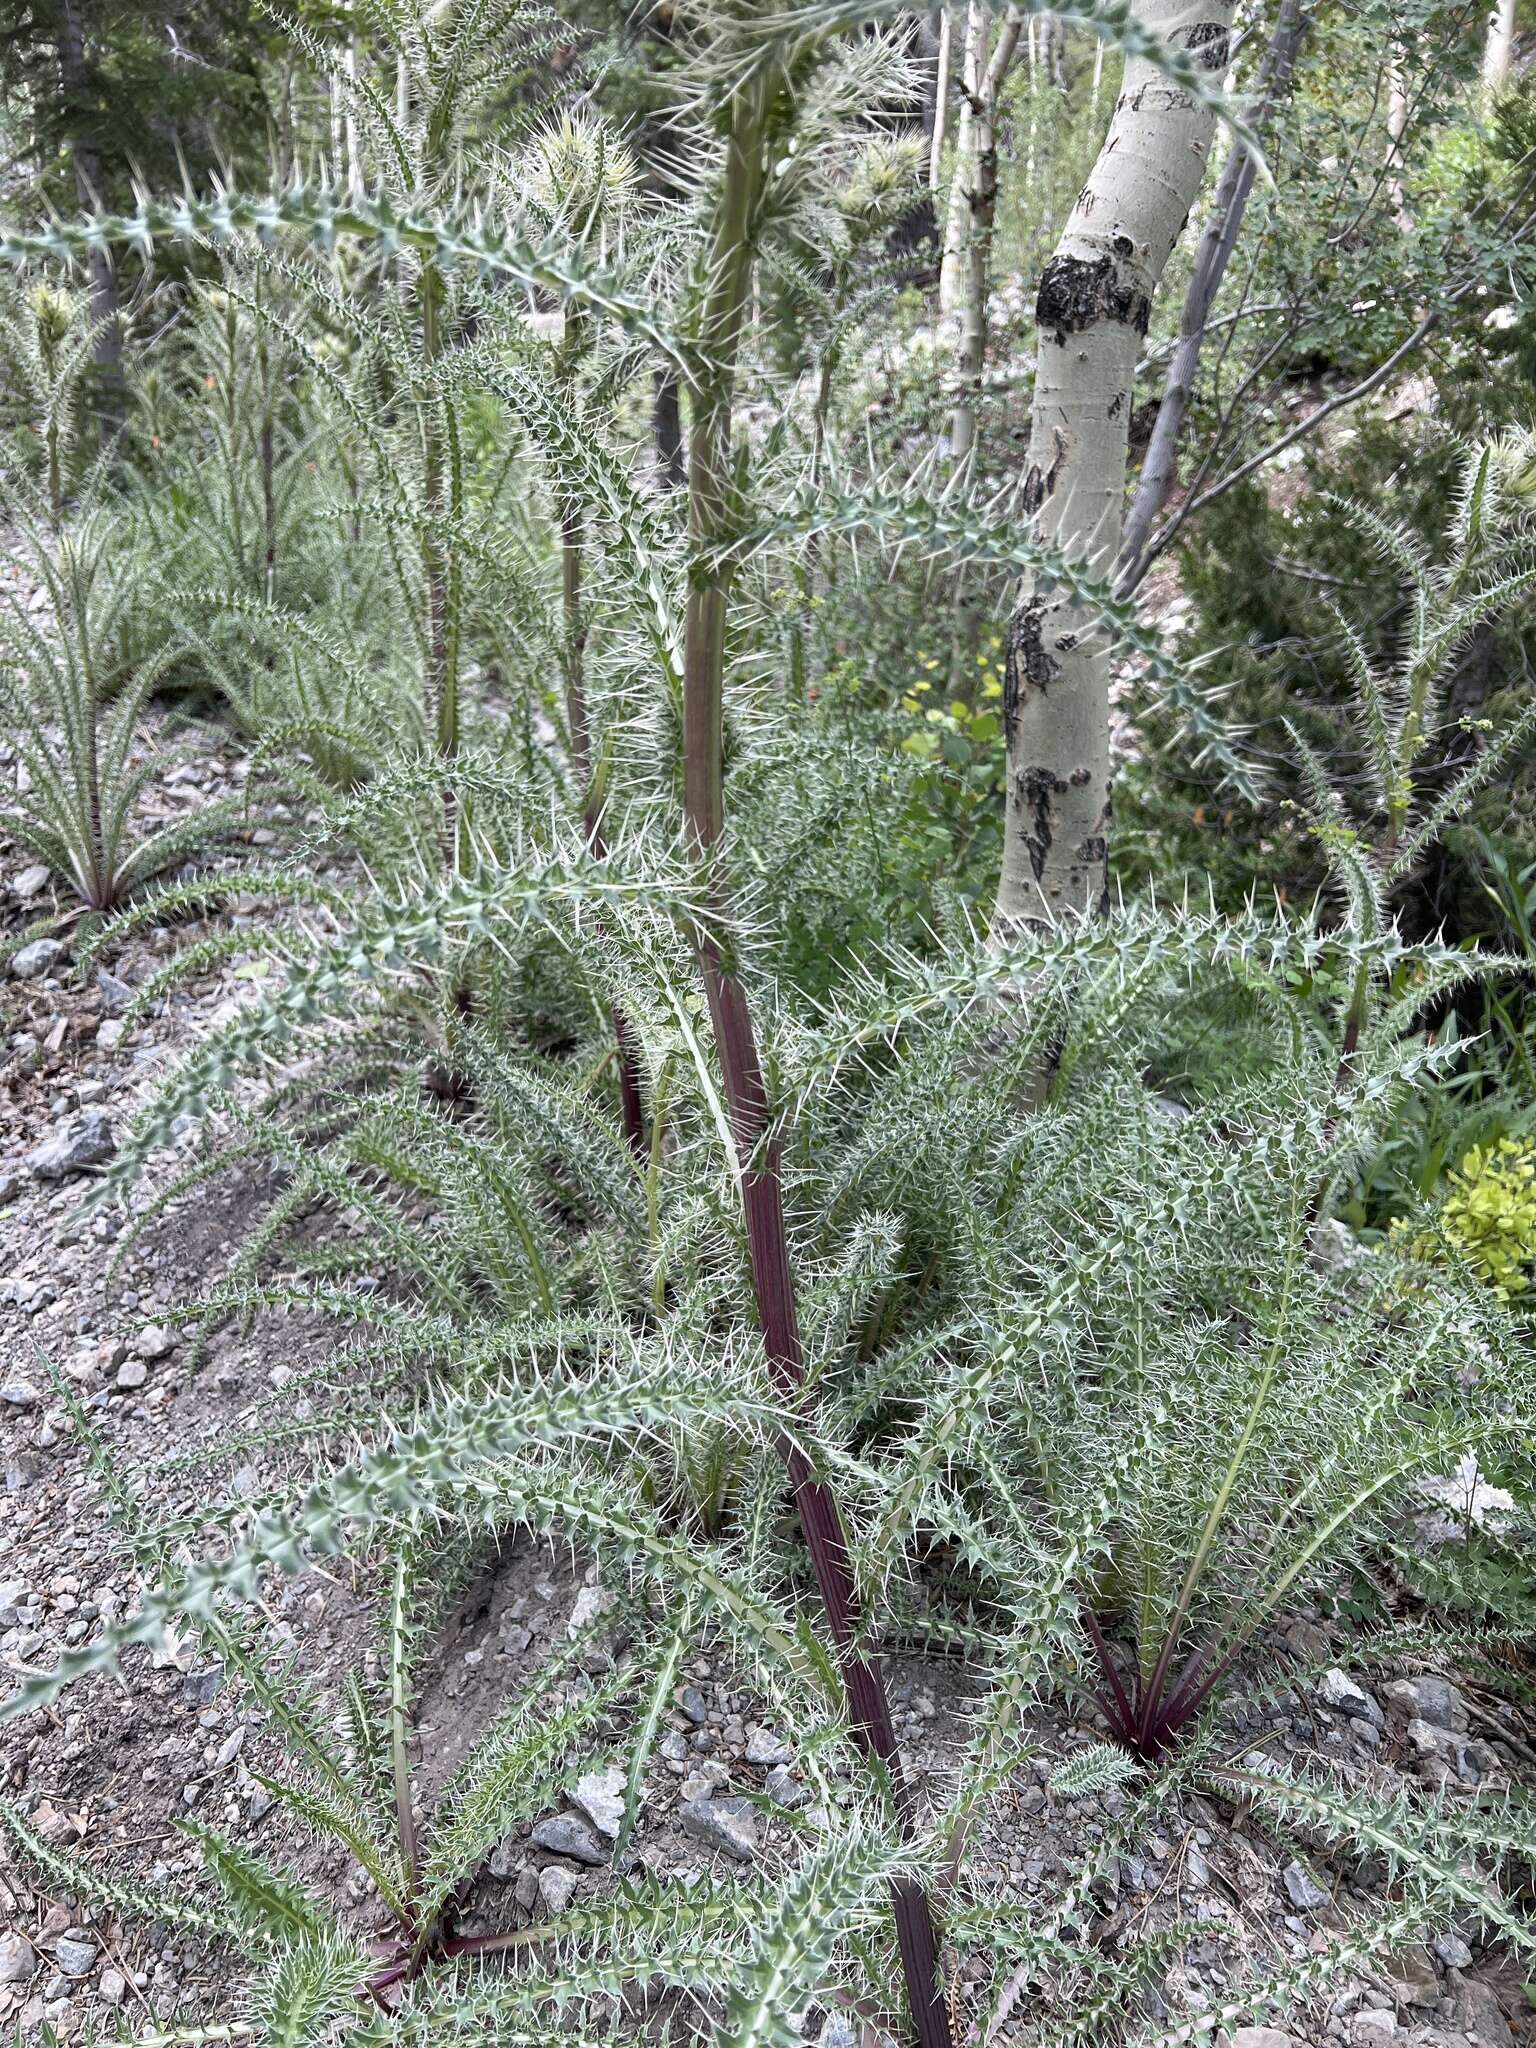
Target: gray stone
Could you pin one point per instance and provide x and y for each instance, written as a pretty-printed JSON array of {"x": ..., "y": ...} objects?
[
  {"x": 723, "y": 1824},
  {"x": 784, "y": 1789},
  {"x": 1340, "y": 1692},
  {"x": 1412, "y": 1978},
  {"x": 1430, "y": 1699},
  {"x": 1479, "y": 2014},
  {"x": 115, "y": 995},
  {"x": 19, "y": 1394},
  {"x": 1260, "y": 2037},
  {"x": 837, "y": 2033},
  {"x": 85, "y": 1141},
  {"x": 1452, "y": 1951},
  {"x": 562, "y": 1834},
  {"x": 557, "y": 1887},
  {"x": 17, "y": 1959},
  {"x": 591, "y": 1602},
  {"x": 74, "y": 1955},
  {"x": 133, "y": 1372},
  {"x": 1373, "y": 2029},
  {"x": 29, "y": 882},
  {"x": 691, "y": 1701},
  {"x": 153, "y": 1341},
  {"x": 34, "y": 961},
  {"x": 112, "y": 1986},
  {"x": 599, "y": 1796},
  {"x": 1303, "y": 1894},
  {"x": 764, "y": 1747}
]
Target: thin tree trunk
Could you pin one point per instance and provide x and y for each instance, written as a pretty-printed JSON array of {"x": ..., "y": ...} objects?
[
  {"x": 1094, "y": 303},
  {"x": 1499, "y": 50},
  {"x": 957, "y": 217},
  {"x": 1397, "y": 129},
  {"x": 106, "y": 330},
  {"x": 1215, "y": 252},
  {"x": 757, "y": 1144},
  {"x": 940, "y": 101},
  {"x": 981, "y": 198},
  {"x": 349, "y": 118}
]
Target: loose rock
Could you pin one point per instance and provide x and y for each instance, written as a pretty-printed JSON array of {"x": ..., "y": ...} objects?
[
  {"x": 74, "y": 1954},
  {"x": 1303, "y": 1894},
  {"x": 724, "y": 1824},
  {"x": 599, "y": 1795},
  {"x": 557, "y": 1887},
  {"x": 34, "y": 961},
  {"x": 17, "y": 1959},
  {"x": 85, "y": 1141},
  {"x": 562, "y": 1834}
]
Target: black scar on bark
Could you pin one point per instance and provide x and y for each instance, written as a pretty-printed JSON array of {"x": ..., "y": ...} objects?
[
  {"x": 1076, "y": 295},
  {"x": 1026, "y": 665},
  {"x": 1036, "y": 788},
  {"x": 1037, "y": 486},
  {"x": 1210, "y": 40}
]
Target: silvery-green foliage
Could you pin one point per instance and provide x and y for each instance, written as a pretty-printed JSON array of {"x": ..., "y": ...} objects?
[
  {"x": 1085, "y": 1388},
  {"x": 75, "y": 677},
  {"x": 45, "y": 344}
]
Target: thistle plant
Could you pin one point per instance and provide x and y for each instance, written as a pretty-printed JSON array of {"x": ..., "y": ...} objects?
[
  {"x": 74, "y": 682},
  {"x": 982, "y": 1334},
  {"x": 46, "y": 342}
]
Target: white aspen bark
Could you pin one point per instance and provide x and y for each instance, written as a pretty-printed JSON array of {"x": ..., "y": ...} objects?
[
  {"x": 1499, "y": 50},
  {"x": 982, "y": 204},
  {"x": 940, "y": 101},
  {"x": 957, "y": 218},
  {"x": 1094, "y": 303},
  {"x": 354, "y": 154},
  {"x": 1397, "y": 129}
]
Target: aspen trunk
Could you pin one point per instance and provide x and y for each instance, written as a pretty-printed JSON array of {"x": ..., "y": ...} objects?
[
  {"x": 1499, "y": 50},
  {"x": 984, "y": 85},
  {"x": 940, "y": 101},
  {"x": 1397, "y": 129},
  {"x": 353, "y": 156},
  {"x": 1094, "y": 303},
  {"x": 957, "y": 215}
]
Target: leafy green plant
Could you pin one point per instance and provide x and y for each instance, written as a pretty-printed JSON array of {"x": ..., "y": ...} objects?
[{"x": 1488, "y": 1216}]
